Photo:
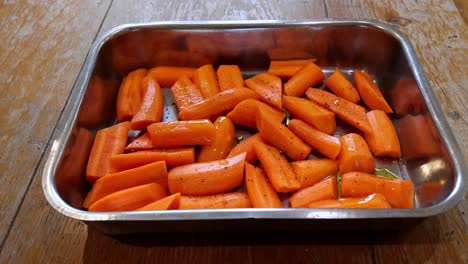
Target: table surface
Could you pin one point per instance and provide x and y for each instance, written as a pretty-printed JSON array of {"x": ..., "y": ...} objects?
[{"x": 44, "y": 45}]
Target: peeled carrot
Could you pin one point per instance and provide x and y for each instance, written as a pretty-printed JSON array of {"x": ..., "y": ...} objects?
[
  {"x": 269, "y": 87},
  {"x": 168, "y": 75},
  {"x": 108, "y": 142},
  {"x": 277, "y": 168},
  {"x": 370, "y": 93},
  {"x": 416, "y": 138},
  {"x": 206, "y": 81},
  {"x": 347, "y": 111},
  {"x": 151, "y": 107},
  {"x": 309, "y": 172},
  {"x": 286, "y": 69},
  {"x": 327, "y": 145},
  {"x": 308, "y": 76},
  {"x": 342, "y": 87},
  {"x": 245, "y": 113},
  {"x": 170, "y": 202},
  {"x": 323, "y": 190},
  {"x": 220, "y": 201},
  {"x": 207, "y": 178},
  {"x": 143, "y": 142},
  {"x": 154, "y": 172},
  {"x": 181, "y": 133},
  {"x": 247, "y": 147},
  {"x": 259, "y": 189},
  {"x": 130, "y": 95},
  {"x": 225, "y": 100},
  {"x": 373, "y": 201},
  {"x": 383, "y": 140},
  {"x": 185, "y": 93},
  {"x": 311, "y": 113},
  {"x": 355, "y": 155},
  {"x": 129, "y": 199},
  {"x": 399, "y": 193},
  {"x": 229, "y": 77},
  {"x": 221, "y": 145}
]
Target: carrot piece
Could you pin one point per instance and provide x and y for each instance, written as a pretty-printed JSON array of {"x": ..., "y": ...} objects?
[
  {"x": 308, "y": 76},
  {"x": 182, "y": 133},
  {"x": 269, "y": 87},
  {"x": 342, "y": 87},
  {"x": 399, "y": 193},
  {"x": 309, "y": 172},
  {"x": 287, "y": 69},
  {"x": 229, "y": 77},
  {"x": 327, "y": 145},
  {"x": 279, "y": 136},
  {"x": 129, "y": 199},
  {"x": 259, "y": 189},
  {"x": 355, "y": 155},
  {"x": 221, "y": 145},
  {"x": 311, "y": 113},
  {"x": 151, "y": 107},
  {"x": 207, "y": 178},
  {"x": 370, "y": 93},
  {"x": 170, "y": 202},
  {"x": 154, "y": 172},
  {"x": 220, "y": 201},
  {"x": 168, "y": 75},
  {"x": 172, "y": 157},
  {"x": 323, "y": 190},
  {"x": 416, "y": 138},
  {"x": 108, "y": 142},
  {"x": 206, "y": 81},
  {"x": 245, "y": 113},
  {"x": 277, "y": 168},
  {"x": 383, "y": 140},
  {"x": 130, "y": 95},
  {"x": 247, "y": 147},
  {"x": 347, "y": 111},
  {"x": 373, "y": 201},
  {"x": 185, "y": 93},
  {"x": 225, "y": 100},
  {"x": 143, "y": 142}
]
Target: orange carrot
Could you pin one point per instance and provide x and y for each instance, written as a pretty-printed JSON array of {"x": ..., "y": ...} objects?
[
  {"x": 130, "y": 95},
  {"x": 245, "y": 113},
  {"x": 220, "y": 201},
  {"x": 168, "y": 75},
  {"x": 206, "y": 81},
  {"x": 416, "y": 138},
  {"x": 247, "y": 147},
  {"x": 181, "y": 133},
  {"x": 370, "y": 93},
  {"x": 311, "y": 113},
  {"x": 373, "y": 201},
  {"x": 383, "y": 140},
  {"x": 259, "y": 189},
  {"x": 287, "y": 69},
  {"x": 129, "y": 199},
  {"x": 221, "y": 145},
  {"x": 229, "y": 77},
  {"x": 170, "y": 202},
  {"x": 225, "y": 100},
  {"x": 269, "y": 87},
  {"x": 151, "y": 107},
  {"x": 185, "y": 93},
  {"x": 308, "y": 76},
  {"x": 323, "y": 190},
  {"x": 277, "y": 168},
  {"x": 154, "y": 172},
  {"x": 399, "y": 193},
  {"x": 108, "y": 142},
  {"x": 309, "y": 172},
  {"x": 355, "y": 155},
  {"x": 327, "y": 145},
  {"x": 143, "y": 142},
  {"x": 343, "y": 88},
  {"x": 347, "y": 111},
  {"x": 207, "y": 178}
]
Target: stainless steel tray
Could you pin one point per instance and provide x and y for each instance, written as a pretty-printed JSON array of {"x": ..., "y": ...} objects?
[{"x": 437, "y": 172}]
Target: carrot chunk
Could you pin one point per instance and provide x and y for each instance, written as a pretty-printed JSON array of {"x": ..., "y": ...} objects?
[
  {"x": 309, "y": 172},
  {"x": 185, "y": 93},
  {"x": 269, "y": 87},
  {"x": 370, "y": 93},
  {"x": 143, "y": 142},
  {"x": 355, "y": 155},
  {"x": 206, "y": 81},
  {"x": 308, "y": 76},
  {"x": 373, "y": 201},
  {"x": 220, "y": 201},
  {"x": 259, "y": 189},
  {"x": 221, "y": 145},
  {"x": 168, "y": 75},
  {"x": 167, "y": 203},
  {"x": 130, "y": 95},
  {"x": 343, "y": 88},
  {"x": 247, "y": 147},
  {"x": 286, "y": 69},
  {"x": 323, "y": 190},
  {"x": 229, "y": 77},
  {"x": 151, "y": 108},
  {"x": 181, "y": 133},
  {"x": 383, "y": 140},
  {"x": 245, "y": 113}
]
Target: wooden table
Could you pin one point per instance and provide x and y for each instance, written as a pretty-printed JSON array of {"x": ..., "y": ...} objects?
[{"x": 42, "y": 50}]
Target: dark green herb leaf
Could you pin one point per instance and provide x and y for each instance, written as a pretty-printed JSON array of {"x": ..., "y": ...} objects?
[
  {"x": 339, "y": 181},
  {"x": 385, "y": 173}
]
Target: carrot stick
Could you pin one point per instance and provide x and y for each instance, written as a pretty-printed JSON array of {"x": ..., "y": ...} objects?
[
  {"x": 247, "y": 147},
  {"x": 130, "y": 95},
  {"x": 108, "y": 142},
  {"x": 370, "y": 93},
  {"x": 308, "y": 76},
  {"x": 269, "y": 87},
  {"x": 259, "y": 189},
  {"x": 355, "y": 155},
  {"x": 181, "y": 133},
  {"x": 170, "y": 202},
  {"x": 416, "y": 138},
  {"x": 129, "y": 199},
  {"x": 343, "y": 88},
  {"x": 206, "y": 81},
  {"x": 225, "y": 100},
  {"x": 245, "y": 113},
  {"x": 351, "y": 113},
  {"x": 168, "y": 75},
  {"x": 277, "y": 168},
  {"x": 309, "y": 172},
  {"x": 207, "y": 178},
  {"x": 399, "y": 193},
  {"x": 373, "y": 201},
  {"x": 151, "y": 107},
  {"x": 323, "y": 190},
  {"x": 229, "y": 77},
  {"x": 327, "y": 145},
  {"x": 311, "y": 113},
  {"x": 287, "y": 69},
  {"x": 221, "y": 145},
  {"x": 383, "y": 140},
  {"x": 185, "y": 93},
  {"x": 143, "y": 142},
  {"x": 220, "y": 201}
]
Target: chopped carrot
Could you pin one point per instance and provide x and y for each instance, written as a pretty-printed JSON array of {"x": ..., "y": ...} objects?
[
  {"x": 259, "y": 189},
  {"x": 181, "y": 133},
  {"x": 406, "y": 97},
  {"x": 323, "y": 190},
  {"x": 151, "y": 107},
  {"x": 286, "y": 69},
  {"x": 355, "y": 155},
  {"x": 383, "y": 140},
  {"x": 339, "y": 85},
  {"x": 308, "y": 76},
  {"x": 247, "y": 147},
  {"x": 170, "y": 202},
  {"x": 143, "y": 142},
  {"x": 370, "y": 93},
  {"x": 373, "y": 201},
  {"x": 245, "y": 113},
  {"x": 416, "y": 138},
  {"x": 185, "y": 93},
  {"x": 269, "y": 87},
  {"x": 206, "y": 81},
  {"x": 229, "y": 77},
  {"x": 309, "y": 172},
  {"x": 221, "y": 145},
  {"x": 130, "y": 95},
  {"x": 220, "y": 201},
  {"x": 168, "y": 75}
]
